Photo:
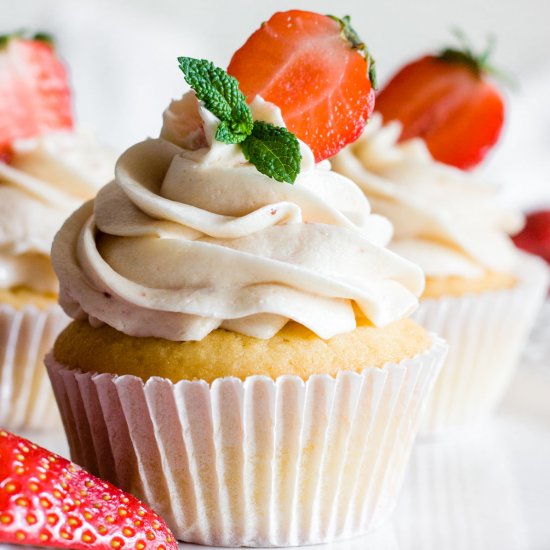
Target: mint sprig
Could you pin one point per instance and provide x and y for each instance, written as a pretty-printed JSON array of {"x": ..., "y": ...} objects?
[{"x": 273, "y": 150}]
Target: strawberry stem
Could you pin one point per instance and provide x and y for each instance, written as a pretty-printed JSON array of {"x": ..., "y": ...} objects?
[
  {"x": 478, "y": 63},
  {"x": 24, "y": 34},
  {"x": 44, "y": 37},
  {"x": 350, "y": 35}
]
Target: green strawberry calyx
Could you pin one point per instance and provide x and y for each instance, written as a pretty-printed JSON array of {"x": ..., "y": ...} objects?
[
  {"x": 478, "y": 63},
  {"x": 350, "y": 35}
]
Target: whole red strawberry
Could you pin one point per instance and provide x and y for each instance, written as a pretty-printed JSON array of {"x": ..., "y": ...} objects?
[
  {"x": 34, "y": 91},
  {"x": 317, "y": 70},
  {"x": 449, "y": 102},
  {"x": 45, "y": 500},
  {"x": 535, "y": 236}
]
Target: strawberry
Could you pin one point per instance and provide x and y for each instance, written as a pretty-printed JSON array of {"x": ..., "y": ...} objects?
[
  {"x": 34, "y": 90},
  {"x": 46, "y": 500},
  {"x": 448, "y": 101},
  {"x": 535, "y": 236},
  {"x": 317, "y": 70}
]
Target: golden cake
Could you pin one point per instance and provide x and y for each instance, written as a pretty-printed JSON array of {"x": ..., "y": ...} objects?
[{"x": 294, "y": 350}]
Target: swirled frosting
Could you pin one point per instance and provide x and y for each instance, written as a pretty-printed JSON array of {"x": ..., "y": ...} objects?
[
  {"x": 190, "y": 237},
  {"x": 47, "y": 179},
  {"x": 447, "y": 221}
]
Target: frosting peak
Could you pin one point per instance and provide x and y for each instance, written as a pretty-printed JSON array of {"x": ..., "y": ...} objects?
[{"x": 191, "y": 237}]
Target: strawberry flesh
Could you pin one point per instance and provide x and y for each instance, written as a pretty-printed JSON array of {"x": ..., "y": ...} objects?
[
  {"x": 45, "y": 500},
  {"x": 301, "y": 62},
  {"x": 34, "y": 92}
]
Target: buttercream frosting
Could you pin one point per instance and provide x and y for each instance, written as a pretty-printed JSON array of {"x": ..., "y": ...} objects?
[
  {"x": 46, "y": 180},
  {"x": 190, "y": 237},
  {"x": 448, "y": 221}
]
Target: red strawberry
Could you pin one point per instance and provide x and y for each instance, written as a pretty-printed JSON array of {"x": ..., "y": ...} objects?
[
  {"x": 34, "y": 90},
  {"x": 535, "y": 237},
  {"x": 447, "y": 100},
  {"x": 316, "y": 69},
  {"x": 46, "y": 500}
]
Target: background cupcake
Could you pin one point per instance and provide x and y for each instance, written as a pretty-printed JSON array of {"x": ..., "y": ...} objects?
[
  {"x": 46, "y": 170},
  {"x": 241, "y": 356},
  {"x": 481, "y": 294}
]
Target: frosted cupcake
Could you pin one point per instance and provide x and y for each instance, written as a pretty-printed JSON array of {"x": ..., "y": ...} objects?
[
  {"x": 481, "y": 293},
  {"x": 46, "y": 172},
  {"x": 241, "y": 355}
]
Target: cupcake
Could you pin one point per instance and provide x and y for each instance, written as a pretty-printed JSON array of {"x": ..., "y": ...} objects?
[
  {"x": 46, "y": 171},
  {"x": 481, "y": 294},
  {"x": 240, "y": 355}
]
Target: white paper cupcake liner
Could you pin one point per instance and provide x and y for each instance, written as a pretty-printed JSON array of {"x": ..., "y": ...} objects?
[
  {"x": 256, "y": 463},
  {"x": 486, "y": 333},
  {"x": 26, "y": 335}
]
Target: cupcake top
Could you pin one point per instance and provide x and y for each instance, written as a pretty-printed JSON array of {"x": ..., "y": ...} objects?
[
  {"x": 190, "y": 236},
  {"x": 46, "y": 168},
  {"x": 446, "y": 220}
]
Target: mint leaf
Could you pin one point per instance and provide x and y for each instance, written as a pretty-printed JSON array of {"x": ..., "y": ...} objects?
[
  {"x": 221, "y": 96},
  {"x": 274, "y": 151}
]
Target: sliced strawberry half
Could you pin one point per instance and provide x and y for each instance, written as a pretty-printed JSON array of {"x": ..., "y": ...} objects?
[
  {"x": 34, "y": 91},
  {"x": 315, "y": 68},
  {"x": 45, "y": 500}
]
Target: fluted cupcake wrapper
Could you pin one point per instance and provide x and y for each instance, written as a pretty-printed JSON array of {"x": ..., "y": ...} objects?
[
  {"x": 256, "y": 463},
  {"x": 26, "y": 335},
  {"x": 486, "y": 333}
]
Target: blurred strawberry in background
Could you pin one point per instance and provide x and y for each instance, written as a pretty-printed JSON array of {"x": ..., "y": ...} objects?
[
  {"x": 449, "y": 101},
  {"x": 35, "y": 97},
  {"x": 535, "y": 236}
]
